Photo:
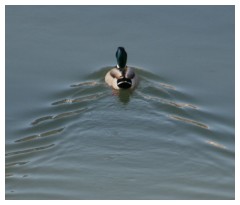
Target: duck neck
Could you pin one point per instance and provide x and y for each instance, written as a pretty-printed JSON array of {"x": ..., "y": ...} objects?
[{"x": 122, "y": 70}]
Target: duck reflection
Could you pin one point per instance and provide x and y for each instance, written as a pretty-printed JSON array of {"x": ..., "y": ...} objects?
[{"x": 123, "y": 95}]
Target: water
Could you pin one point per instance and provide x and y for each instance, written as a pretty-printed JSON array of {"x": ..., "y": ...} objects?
[{"x": 69, "y": 136}]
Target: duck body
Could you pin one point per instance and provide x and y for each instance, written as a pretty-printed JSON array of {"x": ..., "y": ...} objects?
[
  {"x": 121, "y": 79},
  {"x": 121, "y": 76}
]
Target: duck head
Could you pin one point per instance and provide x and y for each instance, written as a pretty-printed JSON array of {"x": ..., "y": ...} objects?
[{"x": 121, "y": 56}]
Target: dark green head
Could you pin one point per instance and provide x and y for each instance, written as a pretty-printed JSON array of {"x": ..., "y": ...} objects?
[{"x": 121, "y": 56}]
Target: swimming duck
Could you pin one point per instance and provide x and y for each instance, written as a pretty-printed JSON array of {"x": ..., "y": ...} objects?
[{"x": 121, "y": 76}]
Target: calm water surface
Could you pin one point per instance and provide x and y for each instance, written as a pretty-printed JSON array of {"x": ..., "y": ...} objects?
[{"x": 69, "y": 136}]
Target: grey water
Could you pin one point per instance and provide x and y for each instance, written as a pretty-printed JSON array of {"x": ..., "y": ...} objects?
[{"x": 70, "y": 136}]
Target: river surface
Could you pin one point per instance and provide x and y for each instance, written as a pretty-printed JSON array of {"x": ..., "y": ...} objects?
[{"x": 70, "y": 136}]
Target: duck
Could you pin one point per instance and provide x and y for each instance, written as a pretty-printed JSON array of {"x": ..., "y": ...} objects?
[{"x": 121, "y": 76}]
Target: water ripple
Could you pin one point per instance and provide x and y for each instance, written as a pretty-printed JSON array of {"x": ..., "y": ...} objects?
[
  {"x": 58, "y": 116},
  {"x": 111, "y": 122},
  {"x": 215, "y": 144},
  {"x": 26, "y": 151},
  {"x": 88, "y": 83},
  {"x": 80, "y": 99},
  {"x": 168, "y": 102},
  {"x": 44, "y": 134},
  {"x": 189, "y": 121},
  {"x": 13, "y": 164}
]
